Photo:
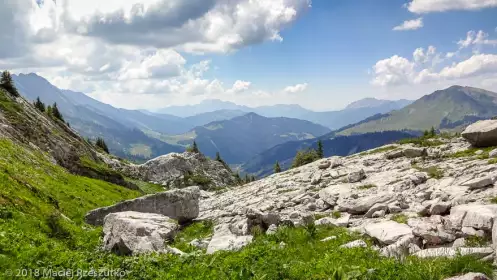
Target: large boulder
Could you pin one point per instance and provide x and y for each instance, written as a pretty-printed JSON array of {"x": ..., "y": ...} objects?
[
  {"x": 444, "y": 252},
  {"x": 482, "y": 133},
  {"x": 387, "y": 232},
  {"x": 127, "y": 233},
  {"x": 179, "y": 204},
  {"x": 473, "y": 215},
  {"x": 363, "y": 204}
]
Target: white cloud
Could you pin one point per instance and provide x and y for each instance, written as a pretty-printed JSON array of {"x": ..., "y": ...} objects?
[
  {"x": 240, "y": 86},
  {"x": 410, "y": 25},
  {"x": 296, "y": 88},
  {"x": 479, "y": 38},
  {"x": 395, "y": 70},
  {"x": 429, "y": 6}
]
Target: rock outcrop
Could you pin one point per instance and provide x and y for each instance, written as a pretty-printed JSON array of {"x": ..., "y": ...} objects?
[
  {"x": 482, "y": 133},
  {"x": 175, "y": 170},
  {"x": 127, "y": 233},
  {"x": 178, "y": 204}
]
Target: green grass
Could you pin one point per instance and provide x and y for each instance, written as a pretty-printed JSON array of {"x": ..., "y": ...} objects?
[
  {"x": 140, "y": 150},
  {"x": 493, "y": 200},
  {"x": 422, "y": 142},
  {"x": 37, "y": 196},
  {"x": 476, "y": 241},
  {"x": 433, "y": 171},
  {"x": 197, "y": 230},
  {"x": 366, "y": 187},
  {"x": 400, "y": 218},
  {"x": 336, "y": 214},
  {"x": 492, "y": 161},
  {"x": 147, "y": 187},
  {"x": 471, "y": 152}
]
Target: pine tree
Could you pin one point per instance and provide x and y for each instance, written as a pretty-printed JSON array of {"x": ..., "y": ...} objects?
[
  {"x": 277, "y": 168},
  {"x": 49, "y": 110},
  {"x": 56, "y": 113},
  {"x": 195, "y": 148},
  {"x": 218, "y": 157},
  {"x": 433, "y": 133},
  {"x": 320, "y": 149},
  {"x": 8, "y": 83},
  {"x": 102, "y": 145},
  {"x": 39, "y": 105},
  {"x": 252, "y": 179},
  {"x": 237, "y": 178}
]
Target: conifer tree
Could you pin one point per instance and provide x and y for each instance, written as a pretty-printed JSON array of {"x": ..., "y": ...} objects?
[
  {"x": 320, "y": 149},
  {"x": 102, "y": 145},
  {"x": 56, "y": 113},
  {"x": 277, "y": 168},
  {"x": 8, "y": 83},
  {"x": 195, "y": 148},
  {"x": 433, "y": 132},
  {"x": 39, "y": 105}
]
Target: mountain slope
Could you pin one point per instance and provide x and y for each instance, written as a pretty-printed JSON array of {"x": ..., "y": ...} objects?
[
  {"x": 208, "y": 117},
  {"x": 262, "y": 164},
  {"x": 450, "y": 108},
  {"x": 91, "y": 118},
  {"x": 240, "y": 138}
]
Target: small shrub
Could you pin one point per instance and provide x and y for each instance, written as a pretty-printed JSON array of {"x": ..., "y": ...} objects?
[
  {"x": 433, "y": 171},
  {"x": 365, "y": 187},
  {"x": 400, "y": 218},
  {"x": 58, "y": 227},
  {"x": 493, "y": 200},
  {"x": 6, "y": 214},
  {"x": 336, "y": 214},
  {"x": 492, "y": 161},
  {"x": 476, "y": 241},
  {"x": 305, "y": 157}
]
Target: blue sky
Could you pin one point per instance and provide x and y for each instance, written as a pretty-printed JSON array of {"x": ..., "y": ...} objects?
[{"x": 320, "y": 54}]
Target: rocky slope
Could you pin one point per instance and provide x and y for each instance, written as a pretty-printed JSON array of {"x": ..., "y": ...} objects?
[{"x": 410, "y": 200}]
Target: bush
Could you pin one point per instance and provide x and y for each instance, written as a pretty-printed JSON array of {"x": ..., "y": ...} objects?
[
  {"x": 100, "y": 143},
  {"x": 8, "y": 83},
  {"x": 305, "y": 157}
]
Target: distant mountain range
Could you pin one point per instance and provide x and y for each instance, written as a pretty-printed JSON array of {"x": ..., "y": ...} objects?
[
  {"x": 353, "y": 113},
  {"x": 449, "y": 109},
  {"x": 241, "y": 138}
]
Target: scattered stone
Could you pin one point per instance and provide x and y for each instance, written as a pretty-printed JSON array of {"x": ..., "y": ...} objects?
[
  {"x": 492, "y": 153},
  {"x": 324, "y": 164},
  {"x": 329, "y": 238},
  {"x": 127, "y": 233},
  {"x": 179, "y": 204},
  {"x": 200, "y": 243},
  {"x": 469, "y": 231},
  {"x": 355, "y": 244},
  {"x": 375, "y": 208},
  {"x": 458, "y": 243},
  {"x": 387, "y": 232},
  {"x": 394, "y": 154},
  {"x": 473, "y": 215},
  {"x": 379, "y": 214},
  {"x": 481, "y": 133},
  {"x": 451, "y": 252},
  {"x": 357, "y": 176},
  {"x": 400, "y": 248},
  {"x": 479, "y": 183},
  {"x": 440, "y": 208},
  {"x": 415, "y": 152},
  {"x": 175, "y": 251},
  {"x": 272, "y": 229},
  {"x": 224, "y": 239}
]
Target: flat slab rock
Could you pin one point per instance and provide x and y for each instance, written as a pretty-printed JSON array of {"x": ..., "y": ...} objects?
[
  {"x": 477, "y": 216},
  {"x": 479, "y": 252},
  {"x": 225, "y": 240},
  {"x": 127, "y": 233},
  {"x": 387, "y": 232},
  {"x": 179, "y": 204}
]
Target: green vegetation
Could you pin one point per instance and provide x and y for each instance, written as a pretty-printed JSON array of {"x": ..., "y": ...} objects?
[
  {"x": 193, "y": 148},
  {"x": 476, "y": 241},
  {"x": 147, "y": 187},
  {"x": 493, "y": 200},
  {"x": 305, "y": 157},
  {"x": 336, "y": 214},
  {"x": 277, "y": 168},
  {"x": 429, "y": 139},
  {"x": 492, "y": 161},
  {"x": 201, "y": 180},
  {"x": 100, "y": 143},
  {"x": 400, "y": 218},
  {"x": 471, "y": 152},
  {"x": 365, "y": 187},
  {"x": 218, "y": 158},
  {"x": 7, "y": 83},
  {"x": 39, "y": 105},
  {"x": 433, "y": 171},
  {"x": 320, "y": 149},
  {"x": 197, "y": 230}
]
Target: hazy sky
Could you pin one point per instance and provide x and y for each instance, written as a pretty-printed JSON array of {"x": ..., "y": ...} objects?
[{"x": 321, "y": 55}]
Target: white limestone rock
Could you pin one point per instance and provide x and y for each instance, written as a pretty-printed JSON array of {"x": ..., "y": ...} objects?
[{"x": 387, "y": 232}]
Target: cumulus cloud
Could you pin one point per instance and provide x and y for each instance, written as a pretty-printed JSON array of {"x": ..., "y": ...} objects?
[
  {"x": 429, "y": 6},
  {"x": 479, "y": 38},
  {"x": 296, "y": 88},
  {"x": 410, "y": 25},
  {"x": 240, "y": 86}
]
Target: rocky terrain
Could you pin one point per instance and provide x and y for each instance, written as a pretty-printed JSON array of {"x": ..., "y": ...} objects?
[{"x": 410, "y": 200}]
